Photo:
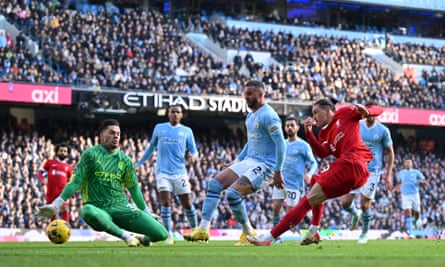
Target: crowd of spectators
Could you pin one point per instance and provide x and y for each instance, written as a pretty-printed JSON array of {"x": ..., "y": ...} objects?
[
  {"x": 146, "y": 50},
  {"x": 23, "y": 149}
]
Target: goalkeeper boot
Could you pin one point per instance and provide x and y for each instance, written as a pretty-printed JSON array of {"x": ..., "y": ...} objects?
[
  {"x": 144, "y": 242},
  {"x": 47, "y": 211},
  {"x": 243, "y": 239},
  {"x": 198, "y": 234},
  {"x": 315, "y": 239},
  {"x": 132, "y": 242},
  {"x": 261, "y": 240},
  {"x": 355, "y": 219}
]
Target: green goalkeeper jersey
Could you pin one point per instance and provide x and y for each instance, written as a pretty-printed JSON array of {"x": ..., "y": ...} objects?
[{"x": 101, "y": 175}]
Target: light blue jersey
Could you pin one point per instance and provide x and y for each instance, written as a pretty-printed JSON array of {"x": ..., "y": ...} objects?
[
  {"x": 171, "y": 142},
  {"x": 265, "y": 139},
  {"x": 299, "y": 156},
  {"x": 376, "y": 138},
  {"x": 409, "y": 180}
]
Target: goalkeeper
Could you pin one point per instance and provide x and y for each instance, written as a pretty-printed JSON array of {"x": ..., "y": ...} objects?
[{"x": 100, "y": 174}]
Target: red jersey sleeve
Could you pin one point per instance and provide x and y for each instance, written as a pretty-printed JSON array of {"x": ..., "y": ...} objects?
[{"x": 321, "y": 150}]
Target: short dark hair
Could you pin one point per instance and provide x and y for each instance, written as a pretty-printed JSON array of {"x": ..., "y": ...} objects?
[
  {"x": 325, "y": 103},
  {"x": 175, "y": 106},
  {"x": 106, "y": 123},
  {"x": 291, "y": 117},
  {"x": 257, "y": 84},
  {"x": 59, "y": 145}
]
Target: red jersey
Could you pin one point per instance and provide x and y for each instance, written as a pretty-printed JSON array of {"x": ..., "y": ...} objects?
[
  {"x": 341, "y": 137},
  {"x": 59, "y": 174}
]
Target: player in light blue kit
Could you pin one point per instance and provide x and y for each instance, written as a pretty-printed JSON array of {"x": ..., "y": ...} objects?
[
  {"x": 172, "y": 140},
  {"x": 260, "y": 162},
  {"x": 377, "y": 137},
  {"x": 409, "y": 180},
  {"x": 299, "y": 166}
]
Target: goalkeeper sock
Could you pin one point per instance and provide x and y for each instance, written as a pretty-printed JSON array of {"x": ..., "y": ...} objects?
[
  {"x": 126, "y": 237},
  {"x": 292, "y": 218}
]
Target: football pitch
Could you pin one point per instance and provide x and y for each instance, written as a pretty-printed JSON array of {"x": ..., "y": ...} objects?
[{"x": 376, "y": 253}]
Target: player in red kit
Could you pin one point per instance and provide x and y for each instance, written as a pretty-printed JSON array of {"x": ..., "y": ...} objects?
[
  {"x": 57, "y": 172},
  {"x": 339, "y": 135}
]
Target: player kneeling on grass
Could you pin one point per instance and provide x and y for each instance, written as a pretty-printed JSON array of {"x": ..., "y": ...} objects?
[{"x": 100, "y": 174}]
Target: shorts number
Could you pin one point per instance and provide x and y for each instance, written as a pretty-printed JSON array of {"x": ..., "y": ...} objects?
[
  {"x": 291, "y": 195},
  {"x": 183, "y": 182}
]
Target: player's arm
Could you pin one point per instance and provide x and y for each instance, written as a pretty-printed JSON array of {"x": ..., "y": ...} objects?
[
  {"x": 312, "y": 166},
  {"x": 389, "y": 166},
  {"x": 43, "y": 172},
  {"x": 151, "y": 148},
  {"x": 131, "y": 183},
  {"x": 369, "y": 111},
  {"x": 320, "y": 149},
  {"x": 243, "y": 152},
  {"x": 191, "y": 146},
  {"x": 276, "y": 133}
]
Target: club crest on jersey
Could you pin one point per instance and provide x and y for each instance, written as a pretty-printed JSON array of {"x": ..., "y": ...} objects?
[
  {"x": 376, "y": 136},
  {"x": 337, "y": 123},
  {"x": 121, "y": 165},
  {"x": 181, "y": 133},
  {"x": 256, "y": 125}
]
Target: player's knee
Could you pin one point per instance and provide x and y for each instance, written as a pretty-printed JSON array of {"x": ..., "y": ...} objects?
[
  {"x": 92, "y": 217},
  {"x": 233, "y": 196},
  {"x": 160, "y": 235},
  {"x": 214, "y": 186}
]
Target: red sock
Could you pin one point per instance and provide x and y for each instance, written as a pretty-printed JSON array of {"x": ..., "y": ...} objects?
[
  {"x": 317, "y": 213},
  {"x": 292, "y": 218},
  {"x": 65, "y": 216}
]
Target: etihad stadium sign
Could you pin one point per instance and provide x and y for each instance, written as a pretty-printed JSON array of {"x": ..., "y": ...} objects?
[{"x": 188, "y": 102}]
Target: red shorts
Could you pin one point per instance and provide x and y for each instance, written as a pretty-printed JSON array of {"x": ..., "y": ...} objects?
[{"x": 342, "y": 175}]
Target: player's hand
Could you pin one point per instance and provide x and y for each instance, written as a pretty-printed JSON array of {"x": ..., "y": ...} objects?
[
  {"x": 278, "y": 180},
  {"x": 152, "y": 214},
  {"x": 308, "y": 123},
  {"x": 388, "y": 183},
  {"x": 47, "y": 211},
  {"x": 157, "y": 217}
]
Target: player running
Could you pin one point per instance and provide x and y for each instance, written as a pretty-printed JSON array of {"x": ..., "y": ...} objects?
[{"x": 339, "y": 136}]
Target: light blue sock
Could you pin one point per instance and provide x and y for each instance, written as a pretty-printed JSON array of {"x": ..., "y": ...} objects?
[
  {"x": 367, "y": 217},
  {"x": 409, "y": 224},
  {"x": 237, "y": 205},
  {"x": 212, "y": 198},
  {"x": 166, "y": 215},
  {"x": 352, "y": 209},
  {"x": 192, "y": 218},
  {"x": 276, "y": 220}
]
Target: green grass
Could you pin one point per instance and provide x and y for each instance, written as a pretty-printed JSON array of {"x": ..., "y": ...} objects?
[{"x": 377, "y": 253}]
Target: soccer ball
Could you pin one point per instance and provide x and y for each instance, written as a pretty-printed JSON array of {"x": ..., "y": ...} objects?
[{"x": 58, "y": 231}]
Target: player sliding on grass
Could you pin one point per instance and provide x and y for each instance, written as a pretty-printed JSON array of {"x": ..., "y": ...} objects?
[
  {"x": 102, "y": 171},
  {"x": 260, "y": 160},
  {"x": 339, "y": 136}
]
